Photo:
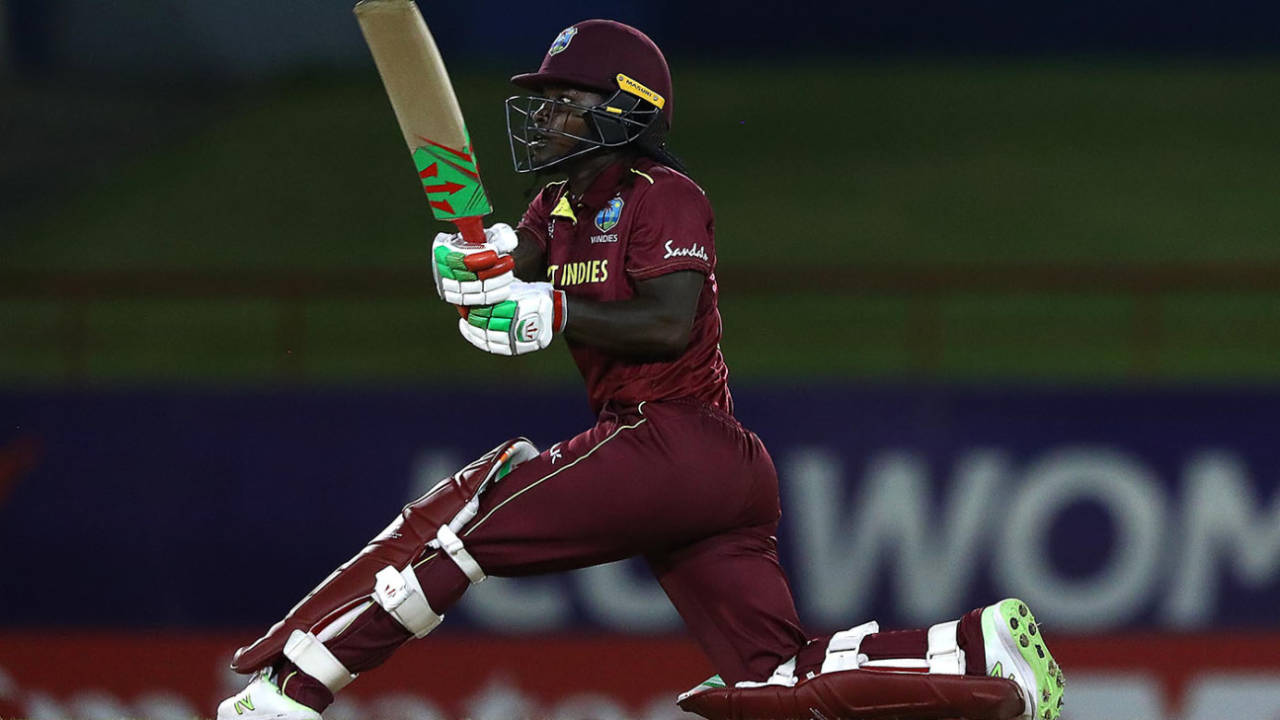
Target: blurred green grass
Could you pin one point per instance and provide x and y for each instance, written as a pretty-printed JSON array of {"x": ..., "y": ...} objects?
[
  {"x": 1064, "y": 338},
  {"x": 1092, "y": 163}
]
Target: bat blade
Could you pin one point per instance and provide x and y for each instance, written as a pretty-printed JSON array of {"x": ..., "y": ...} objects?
[{"x": 430, "y": 118}]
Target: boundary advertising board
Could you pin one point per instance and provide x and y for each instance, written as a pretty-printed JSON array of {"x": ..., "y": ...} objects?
[{"x": 1106, "y": 509}]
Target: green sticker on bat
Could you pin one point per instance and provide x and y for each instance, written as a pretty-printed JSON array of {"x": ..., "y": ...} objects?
[{"x": 451, "y": 180}]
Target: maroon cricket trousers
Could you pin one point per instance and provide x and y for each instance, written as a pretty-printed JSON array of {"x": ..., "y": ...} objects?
[{"x": 678, "y": 482}]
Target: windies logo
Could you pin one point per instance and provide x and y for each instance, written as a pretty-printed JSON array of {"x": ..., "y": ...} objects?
[
  {"x": 562, "y": 40},
  {"x": 608, "y": 217}
]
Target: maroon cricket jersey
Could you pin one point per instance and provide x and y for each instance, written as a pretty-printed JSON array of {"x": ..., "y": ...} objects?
[{"x": 638, "y": 220}]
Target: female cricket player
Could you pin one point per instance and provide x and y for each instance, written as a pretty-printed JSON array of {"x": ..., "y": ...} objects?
[{"x": 619, "y": 258}]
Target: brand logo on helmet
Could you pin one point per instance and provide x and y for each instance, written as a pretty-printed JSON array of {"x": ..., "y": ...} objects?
[
  {"x": 629, "y": 85},
  {"x": 562, "y": 40},
  {"x": 608, "y": 217},
  {"x": 527, "y": 330}
]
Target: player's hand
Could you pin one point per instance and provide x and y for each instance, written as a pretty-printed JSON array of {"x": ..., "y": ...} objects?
[
  {"x": 469, "y": 274},
  {"x": 525, "y": 322}
]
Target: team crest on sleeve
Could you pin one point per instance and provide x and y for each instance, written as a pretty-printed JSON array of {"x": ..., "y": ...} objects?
[
  {"x": 562, "y": 40},
  {"x": 608, "y": 216}
]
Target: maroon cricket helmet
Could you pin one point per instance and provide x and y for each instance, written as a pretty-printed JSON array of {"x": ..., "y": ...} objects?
[{"x": 591, "y": 55}]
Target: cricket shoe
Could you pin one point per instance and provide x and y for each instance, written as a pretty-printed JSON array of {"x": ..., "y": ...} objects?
[
  {"x": 262, "y": 700},
  {"x": 1016, "y": 651}
]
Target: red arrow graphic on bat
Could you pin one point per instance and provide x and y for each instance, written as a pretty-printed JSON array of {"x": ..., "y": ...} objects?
[
  {"x": 471, "y": 173},
  {"x": 429, "y": 171},
  {"x": 460, "y": 153},
  {"x": 448, "y": 188}
]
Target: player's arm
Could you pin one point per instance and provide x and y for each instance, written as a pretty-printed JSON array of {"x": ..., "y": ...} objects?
[
  {"x": 653, "y": 325},
  {"x": 530, "y": 257}
]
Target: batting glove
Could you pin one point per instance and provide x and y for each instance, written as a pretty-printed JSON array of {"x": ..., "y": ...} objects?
[
  {"x": 469, "y": 274},
  {"x": 525, "y": 322}
]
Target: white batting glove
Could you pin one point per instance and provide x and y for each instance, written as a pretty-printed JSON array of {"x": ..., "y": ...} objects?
[
  {"x": 469, "y": 274},
  {"x": 525, "y": 322}
]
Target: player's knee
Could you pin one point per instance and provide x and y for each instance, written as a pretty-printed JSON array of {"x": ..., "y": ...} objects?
[
  {"x": 445, "y": 511},
  {"x": 439, "y": 520}
]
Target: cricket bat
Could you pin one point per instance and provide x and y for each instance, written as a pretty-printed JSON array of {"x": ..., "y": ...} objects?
[{"x": 414, "y": 76}]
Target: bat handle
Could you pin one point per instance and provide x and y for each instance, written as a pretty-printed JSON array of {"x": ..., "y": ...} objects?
[{"x": 472, "y": 229}]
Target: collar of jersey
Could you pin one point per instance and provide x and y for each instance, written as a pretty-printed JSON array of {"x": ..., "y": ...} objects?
[
  {"x": 564, "y": 209},
  {"x": 603, "y": 187}
]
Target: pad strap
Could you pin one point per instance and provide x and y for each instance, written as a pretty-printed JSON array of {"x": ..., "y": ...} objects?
[
  {"x": 452, "y": 544},
  {"x": 944, "y": 654},
  {"x": 843, "y": 649},
  {"x": 400, "y": 594},
  {"x": 914, "y": 664},
  {"x": 784, "y": 675},
  {"x": 314, "y": 659}
]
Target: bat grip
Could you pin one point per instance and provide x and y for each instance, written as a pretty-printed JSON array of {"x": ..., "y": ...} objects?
[{"x": 472, "y": 229}]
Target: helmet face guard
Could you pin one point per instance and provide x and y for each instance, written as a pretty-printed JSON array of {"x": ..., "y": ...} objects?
[{"x": 617, "y": 121}]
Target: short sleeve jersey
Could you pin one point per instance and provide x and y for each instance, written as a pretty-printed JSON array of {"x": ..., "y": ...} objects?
[{"x": 637, "y": 221}]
